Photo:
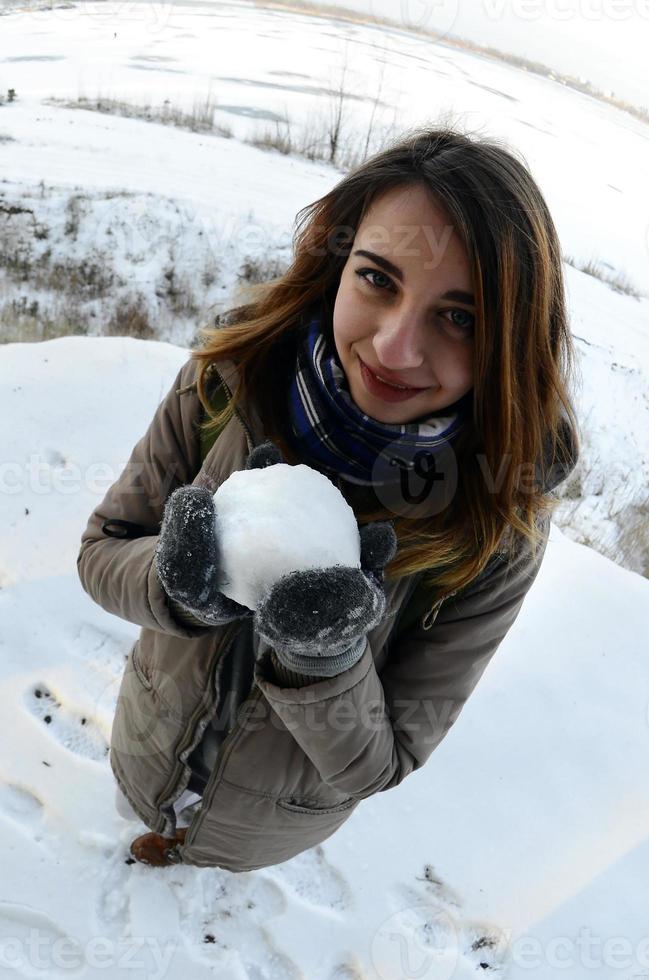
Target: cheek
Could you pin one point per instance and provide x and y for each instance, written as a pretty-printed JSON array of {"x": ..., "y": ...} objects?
[
  {"x": 464, "y": 367},
  {"x": 346, "y": 326},
  {"x": 452, "y": 364}
]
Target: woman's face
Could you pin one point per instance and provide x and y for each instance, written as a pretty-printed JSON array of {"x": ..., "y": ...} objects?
[{"x": 394, "y": 311}]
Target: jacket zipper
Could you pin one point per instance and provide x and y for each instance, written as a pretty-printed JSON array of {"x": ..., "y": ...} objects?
[
  {"x": 244, "y": 424},
  {"x": 215, "y": 776},
  {"x": 226, "y": 745},
  {"x": 429, "y": 618},
  {"x": 166, "y": 801}
]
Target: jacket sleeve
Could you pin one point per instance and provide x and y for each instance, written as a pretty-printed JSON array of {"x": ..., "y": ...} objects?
[
  {"x": 119, "y": 573},
  {"x": 364, "y": 732}
]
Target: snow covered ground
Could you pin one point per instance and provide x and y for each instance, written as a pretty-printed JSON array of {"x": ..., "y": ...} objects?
[
  {"x": 524, "y": 834},
  {"x": 522, "y": 844}
]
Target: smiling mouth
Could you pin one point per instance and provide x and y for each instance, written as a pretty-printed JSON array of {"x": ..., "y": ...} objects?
[{"x": 391, "y": 384}]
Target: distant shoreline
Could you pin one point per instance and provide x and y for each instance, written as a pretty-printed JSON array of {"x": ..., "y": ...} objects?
[{"x": 536, "y": 67}]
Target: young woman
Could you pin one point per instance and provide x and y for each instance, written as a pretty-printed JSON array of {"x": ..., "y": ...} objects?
[{"x": 417, "y": 352}]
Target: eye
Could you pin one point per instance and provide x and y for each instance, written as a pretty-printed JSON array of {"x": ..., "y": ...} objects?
[
  {"x": 363, "y": 273},
  {"x": 467, "y": 326}
]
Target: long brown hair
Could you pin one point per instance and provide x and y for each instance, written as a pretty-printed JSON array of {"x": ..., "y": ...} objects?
[{"x": 524, "y": 360}]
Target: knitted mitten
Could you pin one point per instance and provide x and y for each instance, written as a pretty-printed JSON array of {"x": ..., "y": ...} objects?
[
  {"x": 317, "y": 620},
  {"x": 187, "y": 559}
]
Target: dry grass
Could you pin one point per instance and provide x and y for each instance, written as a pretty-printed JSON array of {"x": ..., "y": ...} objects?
[
  {"x": 200, "y": 119},
  {"x": 617, "y": 281}
]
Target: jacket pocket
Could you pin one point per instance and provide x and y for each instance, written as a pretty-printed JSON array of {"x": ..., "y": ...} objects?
[
  {"x": 242, "y": 830},
  {"x": 312, "y": 807}
]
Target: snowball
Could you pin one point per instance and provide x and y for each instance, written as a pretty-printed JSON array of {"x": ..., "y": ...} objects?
[{"x": 278, "y": 519}]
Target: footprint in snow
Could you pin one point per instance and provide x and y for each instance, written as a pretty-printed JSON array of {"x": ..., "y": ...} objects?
[
  {"x": 223, "y": 919},
  {"x": 434, "y": 886},
  {"x": 429, "y": 916},
  {"x": 482, "y": 945},
  {"x": 29, "y": 941},
  {"x": 312, "y": 879},
  {"x": 221, "y": 916},
  {"x": 112, "y": 914},
  {"x": 74, "y": 731},
  {"x": 21, "y": 806},
  {"x": 485, "y": 948}
]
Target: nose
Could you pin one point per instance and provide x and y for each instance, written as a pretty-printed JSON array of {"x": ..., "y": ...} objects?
[{"x": 400, "y": 341}]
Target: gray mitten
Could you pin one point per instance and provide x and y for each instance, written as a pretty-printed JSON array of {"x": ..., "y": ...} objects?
[{"x": 187, "y": 557}]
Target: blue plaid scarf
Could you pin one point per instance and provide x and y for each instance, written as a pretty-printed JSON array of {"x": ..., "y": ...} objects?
[{"x": 328, "y": 430}]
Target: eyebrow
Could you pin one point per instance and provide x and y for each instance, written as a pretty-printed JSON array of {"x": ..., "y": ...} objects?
[{"x": 457, "y": 294}]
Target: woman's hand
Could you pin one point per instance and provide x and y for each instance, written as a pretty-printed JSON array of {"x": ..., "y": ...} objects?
[
  {"x": 187, "y": 557},
  {"x": 317, "y": 620}
]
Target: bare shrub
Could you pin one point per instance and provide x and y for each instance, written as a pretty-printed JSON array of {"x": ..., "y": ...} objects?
[
  {"x": 210, "y": 272},
  {"x": 177, "y": 292},
  {"x": 130, "y": 319},
  {"x": 328, "y": 134},
  {"x": 255, "y": 270},
  {"x": 86, "y": 279},
  {"x": 633, "y": 541},
  {"x": 23, "y": 321},
  {"x": 74, "y": 212}
]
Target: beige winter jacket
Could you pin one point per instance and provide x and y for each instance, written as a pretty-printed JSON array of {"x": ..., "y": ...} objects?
[{"x": 297, "y": 760}]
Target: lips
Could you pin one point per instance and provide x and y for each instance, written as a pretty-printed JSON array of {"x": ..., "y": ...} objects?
[
  {"x": 398, "y": 385},
  {"x": 385, "y": 392}
]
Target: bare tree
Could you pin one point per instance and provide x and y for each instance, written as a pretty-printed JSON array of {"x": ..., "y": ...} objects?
[
  {"x": 375, "y": 105},
  {"x": 338, "y": 113}
]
